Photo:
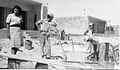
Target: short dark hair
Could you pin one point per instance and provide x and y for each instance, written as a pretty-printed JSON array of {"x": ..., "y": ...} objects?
[
  {"x": 50, "y": 16},
  {"x": 17, "y": 7}
]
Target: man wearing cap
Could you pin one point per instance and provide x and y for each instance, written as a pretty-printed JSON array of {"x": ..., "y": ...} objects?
[
  {"x": 89, "y": 34},
  {"x": 44, "y": 28},
  {"x": 93, "y": 41}
]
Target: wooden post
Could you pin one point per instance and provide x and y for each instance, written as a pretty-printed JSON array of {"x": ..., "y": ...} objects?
[
  {"x": 64, "y": 55},
  {"x": 106, "y": 51},
  {"x": 72, "y": 45}
]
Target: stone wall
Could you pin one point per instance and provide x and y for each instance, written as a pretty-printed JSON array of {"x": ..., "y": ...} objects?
[{"x": 72, "y": 25}]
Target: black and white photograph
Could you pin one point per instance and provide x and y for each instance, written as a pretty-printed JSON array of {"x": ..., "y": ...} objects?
[{"x": 60, "y": 34}]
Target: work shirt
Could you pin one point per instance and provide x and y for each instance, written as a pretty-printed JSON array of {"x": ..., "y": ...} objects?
[
  {"x": 43, "y": 24},
  {"x": 89, "y": 33},
  {"x": 13, "y": 19}
]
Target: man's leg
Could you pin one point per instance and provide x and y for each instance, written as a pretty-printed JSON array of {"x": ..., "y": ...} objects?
[
  {"x": 90, "y": 47},
  {"x": 48, "y": 48},
  {"x": 42, "y": 44}
]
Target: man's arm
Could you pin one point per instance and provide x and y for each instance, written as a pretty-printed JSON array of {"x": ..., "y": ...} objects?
[
  {"x": 38, "y": 24},
  {"x": 85, "y": 33},
  {"x": 53, "y": 24}
]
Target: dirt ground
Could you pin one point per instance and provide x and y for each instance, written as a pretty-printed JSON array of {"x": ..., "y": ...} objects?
[{"x": 75, "y": 53}]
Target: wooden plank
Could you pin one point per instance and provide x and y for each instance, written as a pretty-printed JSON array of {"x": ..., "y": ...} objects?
[
  {"x": 46, "y": 61},
  {"x": 86, "y": 62}
]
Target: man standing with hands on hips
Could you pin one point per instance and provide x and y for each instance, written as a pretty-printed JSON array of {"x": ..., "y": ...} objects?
[{"x": 44, "y": 28}]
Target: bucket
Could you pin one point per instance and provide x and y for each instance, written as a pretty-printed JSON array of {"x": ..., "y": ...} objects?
[{"x": 28, "y": 44}]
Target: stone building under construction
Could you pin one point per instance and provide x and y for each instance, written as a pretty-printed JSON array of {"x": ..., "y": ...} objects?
[{"x": 79, "y": 24}]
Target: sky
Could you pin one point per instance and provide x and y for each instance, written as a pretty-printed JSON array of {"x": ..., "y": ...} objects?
[{"x": 108, "y": 10}]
